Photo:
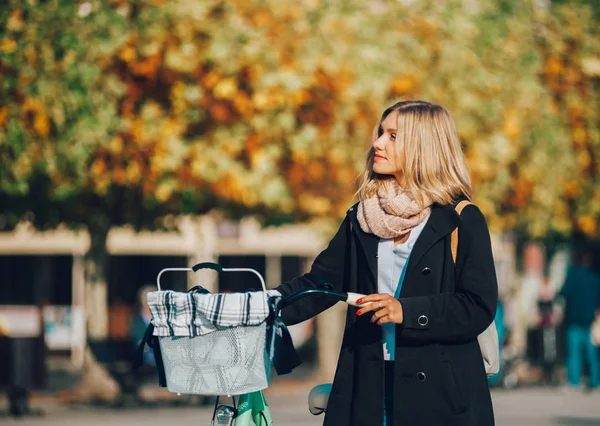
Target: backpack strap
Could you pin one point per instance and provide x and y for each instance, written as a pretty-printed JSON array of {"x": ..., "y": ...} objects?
[{"x": 454, "y": 238}]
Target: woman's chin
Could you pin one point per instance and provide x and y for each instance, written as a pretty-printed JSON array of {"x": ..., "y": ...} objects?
[{"x": 381, "y": 170}]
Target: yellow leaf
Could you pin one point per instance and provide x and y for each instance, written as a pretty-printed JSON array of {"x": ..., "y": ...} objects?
[
  {"x": 261, "y": 100},
  {"x": 30, "y": 53},
  {"x": 133, "y": 172},
  {"x": 553, "y": 65},
  {"x": 584, "y": 159},
  {"x": 579, "y": 136},
  {"x": 300, "y": 97},
  {"x": 128, "y": 54},
  {"x": 25, "y": 79},
  {"x": 315, "y": 205},
  {"x": 512, "y": 124},
  {"x": 3, "y": 116},
  {"x": 116, "y": 145},
  {"x": 23, "y": 166},
  {"x": 404, "y": 85},
  {"x": 8, "y": 45},
  {"x": 98, "y": 168},
  {"x": 262, "y": 19},
  {"x": 210, "y": 79},
  {"x": 137, "y": 131},
  {"x": 226, "y": 89},
  {"x": 119, "y": 175},
  {"x": 243, "y": 104},
  {"x": 571, "y": 189},
  {"x": 41, "y": 124},
  {"x": 15, "y": 21},
  {"x": 163, "y": 192},
  {"x": 102, "y": 183},
  {"x": 587, "y": 224},
  {"x": 315, "y": 171},
  {"x": 171, "y": 127},
  {"x": 148, "y": 67}
]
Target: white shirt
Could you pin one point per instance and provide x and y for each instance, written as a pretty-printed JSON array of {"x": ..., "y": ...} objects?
[{"x": 390, "y": 263}]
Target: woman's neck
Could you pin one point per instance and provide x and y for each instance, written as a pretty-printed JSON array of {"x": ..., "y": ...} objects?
[{"x": 400, "y": 179}]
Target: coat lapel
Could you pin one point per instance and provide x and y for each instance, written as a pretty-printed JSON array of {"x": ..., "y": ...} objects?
[
  {"x": 368, "y": 242},
  {"x": 442, "y": 221}
]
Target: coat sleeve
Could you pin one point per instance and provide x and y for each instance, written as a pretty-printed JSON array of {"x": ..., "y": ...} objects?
[
  {"x": 329, "y": 266},
  {"x": 467, "y": 312}
]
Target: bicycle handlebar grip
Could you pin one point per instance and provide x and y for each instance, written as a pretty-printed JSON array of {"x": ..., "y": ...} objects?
[
  {"x": 353, "y": 297},
  {"x": 207, "y": 265}
]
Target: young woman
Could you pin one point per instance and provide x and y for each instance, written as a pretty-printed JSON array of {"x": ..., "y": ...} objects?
[{"x": 410, "y": 354}]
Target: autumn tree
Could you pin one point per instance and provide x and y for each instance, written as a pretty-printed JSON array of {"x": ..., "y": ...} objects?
[
  {"x": 567, "y": 39},
  {"x": 57, "y": 114}
]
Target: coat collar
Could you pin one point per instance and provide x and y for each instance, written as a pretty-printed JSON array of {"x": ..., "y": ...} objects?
[{"x": 442, "y": 221}]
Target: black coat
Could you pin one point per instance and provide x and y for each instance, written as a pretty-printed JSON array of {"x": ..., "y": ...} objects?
[{"x": 442, "y": 318}]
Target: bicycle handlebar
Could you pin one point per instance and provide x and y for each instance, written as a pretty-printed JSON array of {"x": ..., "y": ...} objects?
[{"x": 349, "y": 298}]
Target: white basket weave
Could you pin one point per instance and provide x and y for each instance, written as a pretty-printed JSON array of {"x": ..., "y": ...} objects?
[{"x": 231, "y": 361}]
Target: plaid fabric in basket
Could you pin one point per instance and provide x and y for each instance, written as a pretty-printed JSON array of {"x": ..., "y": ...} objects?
[{"x": 192, "y": 314}]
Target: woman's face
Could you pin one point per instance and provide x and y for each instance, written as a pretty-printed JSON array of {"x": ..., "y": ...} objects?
[{"x": 384, "y": 148}]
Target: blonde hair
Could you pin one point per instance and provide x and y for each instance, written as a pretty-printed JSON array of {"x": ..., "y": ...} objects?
[{"x": 428, "y": 152}]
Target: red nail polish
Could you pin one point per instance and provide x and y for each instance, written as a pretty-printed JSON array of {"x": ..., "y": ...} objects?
[
  {"x": 359, "y": 301},
  {"x": 359, "y": 313}
]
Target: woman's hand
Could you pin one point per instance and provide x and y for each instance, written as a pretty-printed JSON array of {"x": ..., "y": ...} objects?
[{"x": 386, "y": 307}]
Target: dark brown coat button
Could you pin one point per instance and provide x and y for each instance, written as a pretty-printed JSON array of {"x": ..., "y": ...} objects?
[{"x": 426, "y": 271}]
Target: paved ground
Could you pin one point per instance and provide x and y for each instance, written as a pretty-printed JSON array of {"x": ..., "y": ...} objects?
[{"x": 528, "y": 407}]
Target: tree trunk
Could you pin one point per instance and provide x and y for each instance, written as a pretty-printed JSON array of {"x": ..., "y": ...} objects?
[
  {"x": 96, "y": 382},
  {"x": 96, "y": 291}
]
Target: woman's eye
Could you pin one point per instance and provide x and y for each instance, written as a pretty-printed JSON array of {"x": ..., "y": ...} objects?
[{"x": 393, "y": 136}]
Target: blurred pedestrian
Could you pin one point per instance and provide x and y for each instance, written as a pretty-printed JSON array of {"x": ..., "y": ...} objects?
[
  {"x": 547, "y": 334},
  {"x": 581, "y": 294},
  {"x": 410, "y": 354}
]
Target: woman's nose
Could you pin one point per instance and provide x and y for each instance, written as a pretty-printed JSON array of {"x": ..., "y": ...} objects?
[{"x": 378, "y": 144}]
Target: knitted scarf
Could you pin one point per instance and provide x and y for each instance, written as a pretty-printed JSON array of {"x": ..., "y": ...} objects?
[{"x": 392, "y": 212}]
